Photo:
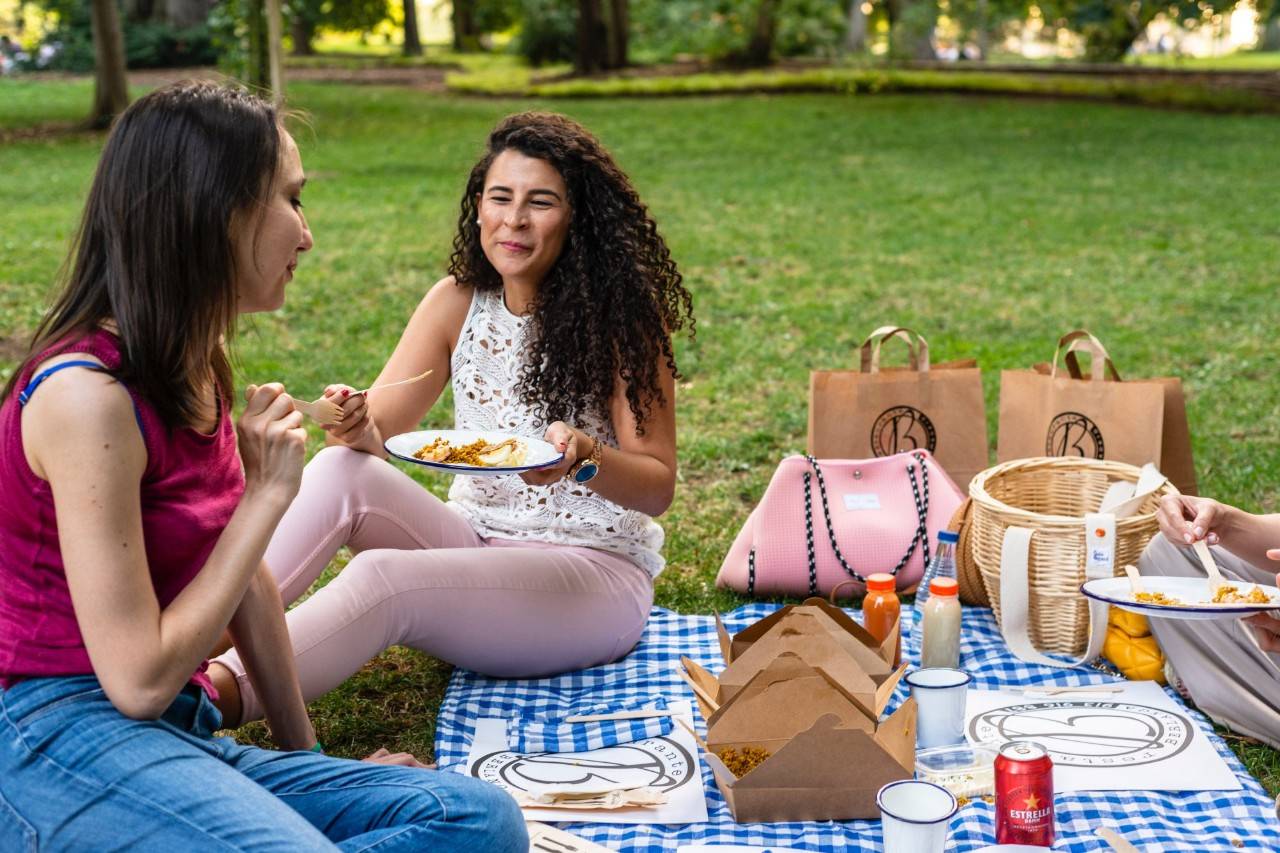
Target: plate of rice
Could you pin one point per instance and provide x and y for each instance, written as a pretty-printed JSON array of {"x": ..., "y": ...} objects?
[
  {"x": 474, "y": 452},
  {"x": 1185, "y": 598}
]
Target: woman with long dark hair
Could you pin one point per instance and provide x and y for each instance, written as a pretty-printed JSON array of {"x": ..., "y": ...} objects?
[
  {"x": 555, "y": 322},
  {"x": 134, "y": 515}
]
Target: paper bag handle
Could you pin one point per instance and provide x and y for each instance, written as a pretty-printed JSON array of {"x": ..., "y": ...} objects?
[
  {"x": 1015, "y": 585},
  {"x": 871, "y": 348},
  {"x": 1079, "y": 340}
]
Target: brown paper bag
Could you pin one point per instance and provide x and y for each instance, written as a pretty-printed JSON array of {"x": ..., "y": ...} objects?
[
  {"x": 1046, "y": 413},
  {"x": 874, "y": 411}
]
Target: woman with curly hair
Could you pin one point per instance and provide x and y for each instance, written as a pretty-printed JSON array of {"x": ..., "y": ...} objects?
[{"x": 555, "y": 321}]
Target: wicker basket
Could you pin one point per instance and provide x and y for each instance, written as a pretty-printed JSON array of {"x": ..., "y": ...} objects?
[{"x": 1051, "y": 496}]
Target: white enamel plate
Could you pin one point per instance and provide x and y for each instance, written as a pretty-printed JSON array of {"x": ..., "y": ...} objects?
[
  {"x": 1192, "y": 593},
  {"x": 538, "y": 453}
]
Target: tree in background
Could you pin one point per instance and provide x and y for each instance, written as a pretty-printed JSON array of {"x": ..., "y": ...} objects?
[
  {"x": 602, "y": 35},
  {"x": 855, "y": 37},
  {"x": 474, "y": 19},
  {"x": 1269, "y": 25},
  {"x": 412, "y": 44},
  {"x": 1110, "y": 27},
  {"x": 911, "y": 26},
  {"x": 308, "y": 17},
  {"x": 110, "y": 84}
]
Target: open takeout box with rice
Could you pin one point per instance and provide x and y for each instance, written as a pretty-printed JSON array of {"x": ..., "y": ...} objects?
[{"x": 807, "y": 686}]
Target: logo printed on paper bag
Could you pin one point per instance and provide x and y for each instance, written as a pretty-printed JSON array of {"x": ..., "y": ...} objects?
[
  {"x": 902, "y": 428},
  {"x": 1073, "y": 434}
]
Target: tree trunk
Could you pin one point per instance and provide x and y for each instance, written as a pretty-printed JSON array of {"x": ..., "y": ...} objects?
[
  {"x": 412, "y": 46},
  {"x": 465, "y": 37},
  {"x": 592, "y": 49},
  {"x": 275, "y": 47},
  {"x": 110, "y": 84},
  {"x": 855, "y": 36},
  {"x": 760, "y": 49},
  {"x": 258, "y": 60},
  {"x": 303, "y": 31},
  {"x": 617, "y": 24},
  {"x": 1270, "y": 39},
  {"x": 911, "y": 25},
  {"x": 984, "y": 30}
]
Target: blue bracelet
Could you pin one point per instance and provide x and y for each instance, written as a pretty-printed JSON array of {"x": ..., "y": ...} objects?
[{"x": 319, "y": 747}]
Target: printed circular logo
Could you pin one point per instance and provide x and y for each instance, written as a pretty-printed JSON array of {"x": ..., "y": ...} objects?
[
  {"x": 1073, "y": 434},
  {"x": 655, "y": 762},
  {"x": 900, "y": 429},
  {"x": 1084, "y": 733}
]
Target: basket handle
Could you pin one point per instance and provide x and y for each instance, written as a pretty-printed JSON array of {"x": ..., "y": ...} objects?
[
  {"x": 1015, "y": 585},
  {"x": 870, "y": 359},
  {"x": 1082, "y": 340}
]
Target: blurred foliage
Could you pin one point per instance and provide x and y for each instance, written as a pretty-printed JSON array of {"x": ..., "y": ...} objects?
[
  {"x": 548, "y": 31},
  {"x": 720, "y": 29},
  {"x": 1110, "y": 27},
  {"x": 147, "y": 44}
]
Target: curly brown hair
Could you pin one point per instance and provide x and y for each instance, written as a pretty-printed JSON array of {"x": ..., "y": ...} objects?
[{"x": 610, "y": 303}]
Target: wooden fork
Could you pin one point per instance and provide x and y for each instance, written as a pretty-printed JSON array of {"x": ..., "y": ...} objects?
[
  {"x": 324, "y": 411},
  {"x": 1210, "y": 566}
]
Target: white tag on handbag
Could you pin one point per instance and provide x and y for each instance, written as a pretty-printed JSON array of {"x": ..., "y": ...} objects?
[
  {"x": 861, "y": 500},
  {"x": 1100, "y": 545}
]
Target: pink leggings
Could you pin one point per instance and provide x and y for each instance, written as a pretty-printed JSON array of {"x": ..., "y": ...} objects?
[{"x": 423, "y": 578}]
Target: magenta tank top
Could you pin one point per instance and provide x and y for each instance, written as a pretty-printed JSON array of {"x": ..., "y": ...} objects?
[{"x": 190, "y": 488}]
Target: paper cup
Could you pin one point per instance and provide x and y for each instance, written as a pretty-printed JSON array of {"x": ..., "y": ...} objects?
[
  {"x": 916, "y": 816},
  {"x": 940, "y": 697}
]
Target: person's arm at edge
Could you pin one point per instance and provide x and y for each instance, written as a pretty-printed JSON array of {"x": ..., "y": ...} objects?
[
  {"x": 640, "y": 473},
  {"x": 83, "y": 438},
  {"x": 425, "y": 344},
  {"x": 261, "y": 637}
]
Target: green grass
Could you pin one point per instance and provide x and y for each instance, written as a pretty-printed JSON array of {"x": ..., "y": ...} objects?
[
  {"x": 519, "y": 81},
  {"x": 800, "y": 223}
]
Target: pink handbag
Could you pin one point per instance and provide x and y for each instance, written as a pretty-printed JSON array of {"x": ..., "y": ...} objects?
[{"x": 834, "y": 521}]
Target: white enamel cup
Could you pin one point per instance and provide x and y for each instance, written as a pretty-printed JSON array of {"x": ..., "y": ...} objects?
[
  {"x": 940, "y": 694},
  {"x": 916, "y": 816}
]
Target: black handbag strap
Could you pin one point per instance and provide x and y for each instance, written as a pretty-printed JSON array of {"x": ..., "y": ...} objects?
[{"x": 919, "y": 493}]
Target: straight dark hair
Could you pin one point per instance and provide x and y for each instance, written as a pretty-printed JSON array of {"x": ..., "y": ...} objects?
[{"x": 182, "y": 171}]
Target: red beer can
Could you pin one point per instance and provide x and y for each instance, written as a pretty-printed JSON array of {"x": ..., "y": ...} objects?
[{"x": 1024, "y": 795}]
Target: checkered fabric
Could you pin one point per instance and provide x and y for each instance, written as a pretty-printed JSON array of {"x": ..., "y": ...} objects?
[
  {"x": 1192, "y": 822},
  {"x": 547, "y": 731}
]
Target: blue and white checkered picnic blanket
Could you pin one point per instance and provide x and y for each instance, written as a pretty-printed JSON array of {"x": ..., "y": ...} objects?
[
  {"x": 1192, "y": 822},
  {"x": 546, "y": 730}
]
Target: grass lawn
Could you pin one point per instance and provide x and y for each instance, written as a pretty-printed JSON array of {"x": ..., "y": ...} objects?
[{"x": 800, "y": 223}]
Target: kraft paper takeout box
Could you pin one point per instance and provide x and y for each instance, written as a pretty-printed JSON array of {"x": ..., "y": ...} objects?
[
  {"x": 819, "y": 633},
  {"x": 829, "y": 750}
]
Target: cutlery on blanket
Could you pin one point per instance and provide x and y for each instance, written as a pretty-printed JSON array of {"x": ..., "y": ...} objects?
[
  {"x": 696, "y": 688},
  {"x": 1116, "y": 840},
  {"x": 1078, "y": 688},
  {"x": 326, "y": 412},
  {"x": 1135, "y": 580},
  {"x": 1210, "y": 566},
  {"x": 640, "y": 714}
]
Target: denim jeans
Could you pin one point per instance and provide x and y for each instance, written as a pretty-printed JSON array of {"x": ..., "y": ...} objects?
[{"x": 76, "y": 774}]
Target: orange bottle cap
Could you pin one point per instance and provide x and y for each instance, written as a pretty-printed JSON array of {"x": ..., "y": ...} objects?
[
  {"x": 880, "y": 583},
  {"x": 944, "y": 586}
]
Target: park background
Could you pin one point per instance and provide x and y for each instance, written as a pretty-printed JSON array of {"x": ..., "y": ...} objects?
[{"x": 991, "y": 173}]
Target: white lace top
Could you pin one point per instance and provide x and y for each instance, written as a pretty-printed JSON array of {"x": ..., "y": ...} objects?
[{"x": 486, "y": 367}]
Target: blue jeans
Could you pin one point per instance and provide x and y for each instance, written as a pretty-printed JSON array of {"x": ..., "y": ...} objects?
[{"x": 76, "y": 774}]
